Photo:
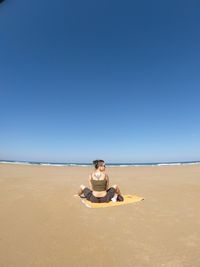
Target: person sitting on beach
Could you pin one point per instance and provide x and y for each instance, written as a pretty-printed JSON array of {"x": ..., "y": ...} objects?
[{"x": 99, "y": 191}]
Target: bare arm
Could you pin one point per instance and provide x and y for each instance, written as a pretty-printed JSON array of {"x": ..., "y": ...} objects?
[
  {"x": 89, "y": 181},
  {"x": 107, "y": 184}
]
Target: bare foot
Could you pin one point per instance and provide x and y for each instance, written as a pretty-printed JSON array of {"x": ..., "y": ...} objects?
[{"x": 80, "y": 192}]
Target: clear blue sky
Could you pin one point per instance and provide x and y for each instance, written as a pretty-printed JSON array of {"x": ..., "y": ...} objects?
[{"x": 117, "y": 80}]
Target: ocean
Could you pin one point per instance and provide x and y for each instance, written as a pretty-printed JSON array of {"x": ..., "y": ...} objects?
[{"x": 75, "y": 164}]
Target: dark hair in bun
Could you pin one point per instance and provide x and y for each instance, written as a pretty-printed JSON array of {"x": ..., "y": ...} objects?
[{"x": 97, "y": 163}]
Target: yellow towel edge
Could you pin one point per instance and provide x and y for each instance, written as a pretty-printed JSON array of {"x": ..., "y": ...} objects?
[{"x": 95, "y": 205}]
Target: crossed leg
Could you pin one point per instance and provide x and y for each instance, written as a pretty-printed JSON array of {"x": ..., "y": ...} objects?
[
  {"x": 118, "y": 192},
  {"x": 80, "y": 191}
]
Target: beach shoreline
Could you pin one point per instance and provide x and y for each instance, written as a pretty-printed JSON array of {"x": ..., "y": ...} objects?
[{"x": 43, "y": 224}]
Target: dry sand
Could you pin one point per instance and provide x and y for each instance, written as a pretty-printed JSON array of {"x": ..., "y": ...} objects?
[{"x": 43, "y": 224}]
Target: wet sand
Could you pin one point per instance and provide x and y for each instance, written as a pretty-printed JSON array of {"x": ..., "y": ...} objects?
[{"x": 42, "y": 224}]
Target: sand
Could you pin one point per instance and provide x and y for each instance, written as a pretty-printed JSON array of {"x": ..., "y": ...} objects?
[{"x": 43, "y": 224}]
